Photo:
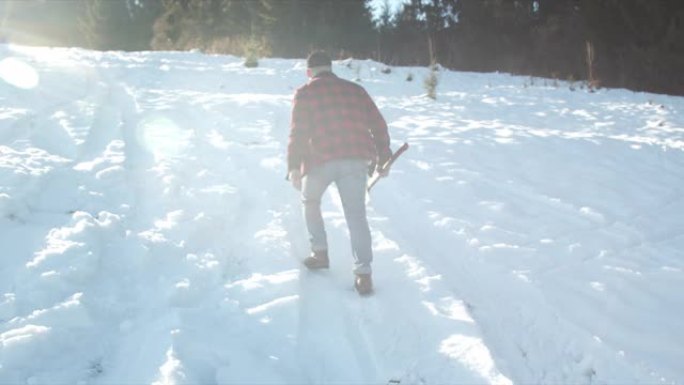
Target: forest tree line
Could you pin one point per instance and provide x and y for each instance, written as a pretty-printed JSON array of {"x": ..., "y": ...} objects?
[{"x": 636, "y": 44}]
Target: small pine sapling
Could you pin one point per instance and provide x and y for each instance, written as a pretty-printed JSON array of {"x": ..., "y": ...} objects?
[{"x": 430, "y": 83}]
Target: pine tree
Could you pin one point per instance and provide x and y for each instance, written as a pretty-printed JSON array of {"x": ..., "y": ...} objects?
[
  {"x": 124, "y": 25},
  {"x": 337, "y": 26}
]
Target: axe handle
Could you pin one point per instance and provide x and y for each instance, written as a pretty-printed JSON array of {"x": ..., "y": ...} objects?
[{"x": 387, "y": 165}]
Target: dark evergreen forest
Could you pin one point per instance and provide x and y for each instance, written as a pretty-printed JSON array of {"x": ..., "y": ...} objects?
[{"x": 635, "y": 44}]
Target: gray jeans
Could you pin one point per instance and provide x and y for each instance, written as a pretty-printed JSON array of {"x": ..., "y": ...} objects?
[{"x": 349, "y": 175}]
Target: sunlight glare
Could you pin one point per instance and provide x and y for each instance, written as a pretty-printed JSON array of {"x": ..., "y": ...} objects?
[
  {"x": 473, "y": 353},
  {"x": 18, "y": 73},
  {"x": 163, "y": 137}
]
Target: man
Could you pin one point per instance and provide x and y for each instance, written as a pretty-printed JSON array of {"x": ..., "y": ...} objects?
[{"x": 336, "y": 133}]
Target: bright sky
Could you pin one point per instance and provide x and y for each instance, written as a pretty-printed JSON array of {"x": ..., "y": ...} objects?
[{"x": 377, "y": 5}]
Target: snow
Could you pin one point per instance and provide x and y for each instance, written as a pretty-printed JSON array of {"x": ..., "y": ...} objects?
[{"x": 532, "y": 233}]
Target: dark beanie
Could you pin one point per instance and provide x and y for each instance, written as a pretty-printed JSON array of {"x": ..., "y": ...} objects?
[{"x": 318, "y": 59}]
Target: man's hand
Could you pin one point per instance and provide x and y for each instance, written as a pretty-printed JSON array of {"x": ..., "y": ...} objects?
[
  {"x": 295, "y": 177},
  {"x": 381, "y": 169},
  {"x": 383, "y": 172}
]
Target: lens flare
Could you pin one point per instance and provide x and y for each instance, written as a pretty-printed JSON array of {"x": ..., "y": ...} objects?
[
  {"x": 163, "y": 137},
  {"x": 18, "y": 73}
]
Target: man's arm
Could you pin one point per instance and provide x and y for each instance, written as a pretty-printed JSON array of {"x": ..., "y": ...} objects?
[
  {"x": 379, "y": 131},
  {"x": 299, "y": 131}
]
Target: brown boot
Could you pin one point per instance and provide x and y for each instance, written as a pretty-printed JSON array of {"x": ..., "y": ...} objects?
[
  {"x": 363, "y": 284},
  {"x": 317, "y": 260}
]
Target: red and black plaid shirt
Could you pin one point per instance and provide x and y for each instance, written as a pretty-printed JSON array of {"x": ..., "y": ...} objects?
[{"x": 333, "y": 118}]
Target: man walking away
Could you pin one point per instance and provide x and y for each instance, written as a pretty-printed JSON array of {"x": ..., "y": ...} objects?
[{"x": 337, "y": 135}]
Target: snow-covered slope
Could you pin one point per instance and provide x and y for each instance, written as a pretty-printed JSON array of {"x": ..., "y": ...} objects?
[{"x": 532, "y": 234}]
